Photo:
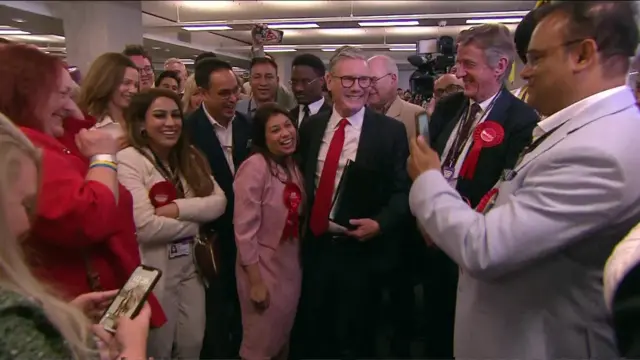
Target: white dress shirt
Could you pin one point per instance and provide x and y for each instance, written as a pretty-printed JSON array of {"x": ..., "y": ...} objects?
[
  {"x": 480, "y": 117},
  {"x": 313, "y": 109},
  {"x": 225, "y": 137},
  {"x": 107, "y": 124},
  {"x": 349, "y": 150}
]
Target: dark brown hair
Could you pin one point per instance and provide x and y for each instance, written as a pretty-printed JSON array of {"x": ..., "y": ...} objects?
[
  {"x": 184, "y": 158},
  {"x": 259, "y": 130},
  {"x": 136, "y": 50}
]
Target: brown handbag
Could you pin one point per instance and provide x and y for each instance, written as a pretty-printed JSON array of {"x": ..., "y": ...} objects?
[{"x": 206, "y": 255}]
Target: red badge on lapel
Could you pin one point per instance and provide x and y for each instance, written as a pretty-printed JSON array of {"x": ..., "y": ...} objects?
[
  {"x": 292, "y": 197},
  {"x": 162, "y": 194},
  {"x": 487, "y": 134}
]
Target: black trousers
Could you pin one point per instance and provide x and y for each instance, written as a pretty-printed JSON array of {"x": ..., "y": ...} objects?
[
  {"x": 440, "y": 283},
  {"x": 223, "y": 332},
  {"x": 336, "y": 317}
]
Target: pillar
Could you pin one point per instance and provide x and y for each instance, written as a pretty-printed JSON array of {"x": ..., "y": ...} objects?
[
  {"x": 92, "y": 28},
  {"x": 284, "y": 60}
]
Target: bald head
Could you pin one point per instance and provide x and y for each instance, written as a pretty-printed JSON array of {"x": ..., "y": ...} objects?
[
  {"x": 384, "y": 64},
  {"x": 446, "y": 84},
  {"x": 383, "y": 90}
]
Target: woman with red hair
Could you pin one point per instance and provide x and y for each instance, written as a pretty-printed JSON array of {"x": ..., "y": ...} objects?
[{"x": 83, "y": 235}]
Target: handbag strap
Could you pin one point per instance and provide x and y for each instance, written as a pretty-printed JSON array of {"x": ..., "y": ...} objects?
[{"x": 168, "y": 175}]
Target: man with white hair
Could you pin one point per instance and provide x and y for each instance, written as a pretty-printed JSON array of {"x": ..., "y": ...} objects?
[
  {"x": 383, "y": 95},
  {"x": 342, "y": 263},
  {"x": 178, "y": 66}
]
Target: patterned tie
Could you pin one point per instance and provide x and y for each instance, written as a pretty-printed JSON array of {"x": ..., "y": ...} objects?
[
  {"x": 458, "y": 143},
  {"x": 319, "y": 222}
]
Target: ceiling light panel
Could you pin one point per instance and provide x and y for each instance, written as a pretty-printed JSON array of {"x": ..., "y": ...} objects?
[
  {"x": 342, "y": 32},
  {"x": 294, "y": 26},
  {"x": 389, "y": 23},
  {"x": 512, "y": 20},
  {"x": 207, "y": 28},
  {"x": 275, "y": 50}
]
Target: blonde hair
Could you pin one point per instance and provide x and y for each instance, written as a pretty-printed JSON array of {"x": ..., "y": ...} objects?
[
  {"x": 103, "y": 79},
  {"x": 15, "y": 274},
  {"x": 190, "y": 89}
]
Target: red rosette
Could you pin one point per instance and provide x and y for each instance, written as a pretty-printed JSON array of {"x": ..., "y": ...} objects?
[
  {"x": 292, "y": 197},
  {"x": 162, "y": 193},
  {"x": 487, "y": 134},
  {"x": 487, "y": 201}
]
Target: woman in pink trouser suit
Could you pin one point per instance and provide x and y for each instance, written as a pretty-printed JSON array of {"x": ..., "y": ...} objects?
[{"x": 268, "y": 200}]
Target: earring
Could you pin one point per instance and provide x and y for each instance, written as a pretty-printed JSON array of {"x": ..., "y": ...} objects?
[{"x": 143, "y": 132}]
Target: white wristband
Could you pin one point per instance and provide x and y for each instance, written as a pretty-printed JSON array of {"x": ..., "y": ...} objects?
[{"x": 104, "y": 157}]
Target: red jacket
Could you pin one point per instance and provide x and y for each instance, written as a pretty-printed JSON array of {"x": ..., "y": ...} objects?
[{"x": 79, "y": 220}]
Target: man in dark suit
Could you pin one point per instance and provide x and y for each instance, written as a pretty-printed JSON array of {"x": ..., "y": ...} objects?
[
  {"x": 307, "y": 81},
  {"x": 224, "y": 137},
  {"x": 335, "y": 317},
  {"x": 479, "y": 135}
]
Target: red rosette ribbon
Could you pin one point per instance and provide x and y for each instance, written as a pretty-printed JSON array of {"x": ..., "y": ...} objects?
[
  {"x": 487, "y": 134},
  {"x": 487, "y": 201},
  {"x": 162, "y": 193},
  {"x": 292, "y": 197}
]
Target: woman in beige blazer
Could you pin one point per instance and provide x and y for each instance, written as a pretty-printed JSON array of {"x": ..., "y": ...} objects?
[{"x": 173, "y": 195}]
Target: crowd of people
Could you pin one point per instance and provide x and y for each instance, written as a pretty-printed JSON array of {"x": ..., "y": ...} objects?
[{"x": 517, "y": 212}]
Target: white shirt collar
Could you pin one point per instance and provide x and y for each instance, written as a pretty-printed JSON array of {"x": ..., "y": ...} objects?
[
  {"x": 104, "y": 121},
  {"x": 213, "y": 121},
  {"x": 355, "y": 120},
  {"x": 485, "y": 104},
  {"x": 313, "y": 107},
  {"x": 559, "y": 118}
]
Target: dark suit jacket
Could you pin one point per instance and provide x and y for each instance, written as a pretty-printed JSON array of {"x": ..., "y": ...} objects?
[
  {"x": 518, "y": 120},
  {"x": 295, "y": 112},
  {"x": 626, "y": 314},
  {"x": 383, "y": 148},
  {"x": 204, "y": 138}
]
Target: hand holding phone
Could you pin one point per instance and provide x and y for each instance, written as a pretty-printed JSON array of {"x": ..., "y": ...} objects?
[{"x": 132, "y": 297}]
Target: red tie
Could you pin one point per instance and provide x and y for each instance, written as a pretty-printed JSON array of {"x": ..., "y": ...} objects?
[{"x": 321, "y": 209}]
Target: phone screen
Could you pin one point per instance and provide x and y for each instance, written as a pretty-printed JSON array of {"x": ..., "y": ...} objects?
[
  {"x": 422, "y": 125},
  {"x": 131, "y": 297}
]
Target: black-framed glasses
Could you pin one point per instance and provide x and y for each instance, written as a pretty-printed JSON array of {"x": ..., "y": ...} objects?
[
  {"x": 376, "y": 79},
  {"x": 303, "y": 82},
  {"x": 348, "y": 81},
  {"x": 535, "y": 55}
]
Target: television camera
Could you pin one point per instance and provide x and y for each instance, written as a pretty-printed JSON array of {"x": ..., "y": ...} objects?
[{"x": 435, "y": 57}]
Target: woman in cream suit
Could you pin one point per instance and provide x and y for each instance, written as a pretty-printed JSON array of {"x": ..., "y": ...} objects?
[{"x": 173, "y": 195}]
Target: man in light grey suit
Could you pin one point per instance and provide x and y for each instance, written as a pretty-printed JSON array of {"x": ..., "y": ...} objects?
[{"x": 531, "y": 256}]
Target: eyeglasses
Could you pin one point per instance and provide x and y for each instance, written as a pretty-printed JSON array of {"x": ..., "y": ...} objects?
[
  {"x": 534, "y": 56},
  {"x": 303, "y": 82},
  {"x": 348, "y": 81},
  {"x": 376, "y": 79},
  {"x": 146, "y": 69}
]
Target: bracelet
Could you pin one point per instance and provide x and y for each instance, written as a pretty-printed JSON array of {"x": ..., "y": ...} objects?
[
  {"x": 104, "y": 157},
  {"x": 106, "y": 164}
]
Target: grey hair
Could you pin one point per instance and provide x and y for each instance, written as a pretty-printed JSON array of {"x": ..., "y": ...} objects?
[
  {"x": 172, "y": 61},
  {"x": 389, "y": 63},
  {"x": 345, "y": 52},
  {"x": 495, "y": 41}
]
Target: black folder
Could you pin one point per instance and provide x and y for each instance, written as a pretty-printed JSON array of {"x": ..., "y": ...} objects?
[{"x": 356, "y": 196}]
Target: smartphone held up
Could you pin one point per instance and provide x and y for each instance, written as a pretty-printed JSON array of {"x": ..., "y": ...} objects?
[{"x": 131, "y": 297}]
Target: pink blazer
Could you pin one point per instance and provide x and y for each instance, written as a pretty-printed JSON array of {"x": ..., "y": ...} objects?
[{"x": 260, "y": 213}]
